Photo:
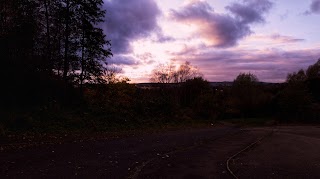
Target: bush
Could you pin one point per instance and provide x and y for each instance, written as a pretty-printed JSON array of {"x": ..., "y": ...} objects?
[{"x": 248, "y": 98}]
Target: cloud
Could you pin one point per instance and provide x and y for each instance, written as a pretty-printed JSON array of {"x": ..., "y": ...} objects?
[
  {"x": 223, "y": 30},
  {"x": 132, "y": 60},
  {"x": 285, "y": 39},
  {"x": 128, "y": 20},
  {"x": 276, "y": 39},
  {"x": 146, "y": 58},
  {"x": 163, "y": 38},
  {"x": 119, "y": 59},
  {"x": 314, "y": 8},
  {"x": 251, "y": 11},
  {"x": 270, "y": 65}
]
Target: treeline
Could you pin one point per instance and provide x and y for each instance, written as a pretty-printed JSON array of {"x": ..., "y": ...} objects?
[
  {"x": 296, "y": 100},
  {"x": 196, "y": 100},
  {"x": 48, "y": 46},
  {"x": 123, "y": 105}
]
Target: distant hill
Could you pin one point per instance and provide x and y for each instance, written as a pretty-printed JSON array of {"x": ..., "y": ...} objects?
[
  {"x": 229, "y": 83},
  {"x": 213, "y": 84},
  {"x": 223, "y": 83}
]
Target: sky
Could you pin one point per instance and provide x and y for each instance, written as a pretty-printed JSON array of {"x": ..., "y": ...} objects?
[{"x": 222, "y": 38}]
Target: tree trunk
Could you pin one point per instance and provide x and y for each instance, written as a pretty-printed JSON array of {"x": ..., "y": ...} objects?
[
  {"x": 82, "y": 60},
  {"x": 66, "y": 50},
  {"x": 46, "y": 4}
]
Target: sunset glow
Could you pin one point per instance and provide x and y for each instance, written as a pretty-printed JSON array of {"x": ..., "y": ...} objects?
[{"x": 222, "y": 38}]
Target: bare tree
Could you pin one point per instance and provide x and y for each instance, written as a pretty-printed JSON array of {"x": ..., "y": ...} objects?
[
  {"x": 163, "y": 73},
  {"x": 186, "y": 72},
  {"x": 111, "y": 75},
  {"x": 167, "y": 73}
]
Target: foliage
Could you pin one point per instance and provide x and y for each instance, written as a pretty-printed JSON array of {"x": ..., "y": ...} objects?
[
  {"x": 297, "y": 79},
  {"x": 313, "y": 71},
  {"x": 51, "y": 36},
  {"x": 299, "y": 100},
  {"x": 245, "y": 80},
  {"x": 294, "y": 102},
  {"x": 247, "y": 96},
  {"x": 313, "y": 81}
]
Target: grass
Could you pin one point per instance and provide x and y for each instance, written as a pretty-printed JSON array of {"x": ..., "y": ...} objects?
[{"x": 70, "y": 129}]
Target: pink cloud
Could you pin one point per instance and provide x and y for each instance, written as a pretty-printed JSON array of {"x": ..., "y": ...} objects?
[{"x": 223, "y": 30}]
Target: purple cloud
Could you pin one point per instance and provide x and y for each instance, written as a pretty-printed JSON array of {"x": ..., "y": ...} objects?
[
  {"x": 221, "y": 29},
  {"x": 277, "y": 38},
  {"x": 119, "y": 59},
  {"x": 251, "y": 11},
  {"x": 285, "y": 39},
  {"x": 315, "y": 6},
  {"x": 127, "y": 20},
  {"x": 271, "y": 65}
]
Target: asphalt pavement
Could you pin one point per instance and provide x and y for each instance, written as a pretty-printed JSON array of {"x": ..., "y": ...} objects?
[{"x": 193, "y": 153}]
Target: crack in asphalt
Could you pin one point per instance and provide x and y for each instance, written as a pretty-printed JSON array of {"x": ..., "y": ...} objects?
[
  {"x": 138, "y": 169},
  {"x": 245, "y": 149}
]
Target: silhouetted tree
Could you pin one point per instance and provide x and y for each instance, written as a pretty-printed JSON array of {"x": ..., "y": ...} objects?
[
  {"x": 41, "y": 38},
  {"x": 298, "y": 78},
  {"x": 186, "y": 72},
  {"x": 93, "y": 42},
  {"x": 111, "y": 76},
  {"x": 67, "y": 21},
  {"x": 313, "y": 81},
  {"x": 247, "y": 97},
  {"x": 314, "y": 70},
  {"x": 295, "y": 100},
  {"x": 163, "y": 73},
  {"x": 245, "y": 80},
  {"x": 167, "y": 73},
  {"x": 197, "y": 94}
]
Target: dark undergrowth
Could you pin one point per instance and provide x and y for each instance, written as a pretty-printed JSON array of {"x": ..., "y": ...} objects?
[{"x": 59, "y": 109}]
